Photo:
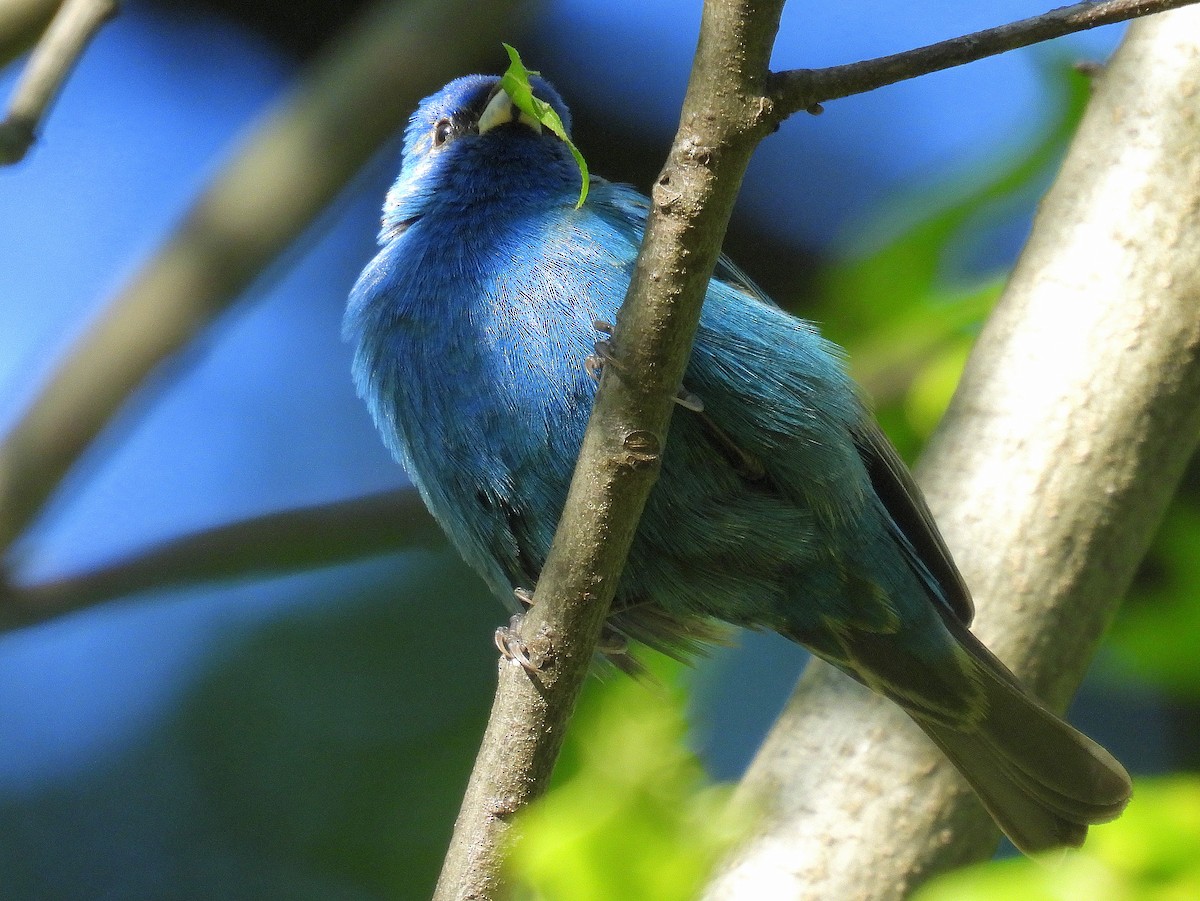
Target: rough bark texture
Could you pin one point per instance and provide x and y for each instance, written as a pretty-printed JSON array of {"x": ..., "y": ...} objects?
[{"x": 1061, "y": 450}]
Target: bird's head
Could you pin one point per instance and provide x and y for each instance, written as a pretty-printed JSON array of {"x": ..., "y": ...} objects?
[{"x": 469, "y": 144}]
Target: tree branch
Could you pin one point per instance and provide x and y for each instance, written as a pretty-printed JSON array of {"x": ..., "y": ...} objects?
[
  {"x": 352, "y": 101},
  {"x": 21, "y": 23},
  {"x": 1061, "y": 450},
  {"x": 806, "y": 89},
  {"x": 722, "y": 121},
  {"x": 273, "y": 544},
  {"x": 70, "y": 31}
]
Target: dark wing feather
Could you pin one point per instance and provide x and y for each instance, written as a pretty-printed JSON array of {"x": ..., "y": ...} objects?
[{"x": 918, "y": 533}]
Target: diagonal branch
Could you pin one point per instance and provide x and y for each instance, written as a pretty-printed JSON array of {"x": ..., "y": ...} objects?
[
  {"x": 725, "y": 114},
  {"x": 22, "y": 22},
  {"x": 275, "y": 186},
  {"x": 721, "y": 123},
  {"x": 73, "y": 27},
  {"x": 806, "y": 89}
]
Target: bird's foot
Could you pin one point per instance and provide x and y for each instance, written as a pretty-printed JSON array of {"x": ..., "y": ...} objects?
[
  {"x": 612, "y": 643},
  {"x": 688, "y": 401},
  {"x": 595, "y": 362},
  {"x": 603, "y": 356},
  {"x": 513, "y": 648}
]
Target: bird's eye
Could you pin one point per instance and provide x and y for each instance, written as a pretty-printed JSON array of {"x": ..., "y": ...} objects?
[{"x": 441, "y": 132}]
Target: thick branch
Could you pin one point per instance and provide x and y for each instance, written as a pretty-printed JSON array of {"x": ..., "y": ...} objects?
[
  {"x": 721, "y": 124},
  {"x": 291, "y": 167},
  {"x": 268, "y": 545},
  {"x": 73, "y": 27},
  {"x": 806, "y": 89},
  {"x": 1060, "y": 452}
]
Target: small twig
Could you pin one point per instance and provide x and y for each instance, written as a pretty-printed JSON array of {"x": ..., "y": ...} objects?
[
  {"x": 273, "y": 544},
  {"x": 73, "y": 26},
  {"x": 807, "y": 89}
]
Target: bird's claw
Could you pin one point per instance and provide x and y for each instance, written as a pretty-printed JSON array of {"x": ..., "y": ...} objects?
[
  {"x": 688, "y": 401},
  {"x": 595, "y": 362},
  {"x": 513, "y": 649},
  {"x": 594, "y": 365},
  {"x": 612, "y": 643}
]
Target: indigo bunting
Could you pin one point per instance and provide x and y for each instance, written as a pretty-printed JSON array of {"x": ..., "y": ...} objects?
[{"x": 780, "y": 503}]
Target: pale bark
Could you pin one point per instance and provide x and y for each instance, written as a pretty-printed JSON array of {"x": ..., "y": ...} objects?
[{"x": 72, "y": 29}]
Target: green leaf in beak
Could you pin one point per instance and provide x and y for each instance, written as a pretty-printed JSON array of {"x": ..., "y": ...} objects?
[{"x": 515, "y": 83}]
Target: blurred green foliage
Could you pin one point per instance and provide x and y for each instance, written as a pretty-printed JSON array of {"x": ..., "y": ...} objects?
[
  {"x": 1152, "y": 853},
  {"x": 1157, "y": 632},
  {"x": 631, "y": 813}
]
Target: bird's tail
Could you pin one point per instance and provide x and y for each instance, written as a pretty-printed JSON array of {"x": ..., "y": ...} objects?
[{"x": 1042, "y": 781}]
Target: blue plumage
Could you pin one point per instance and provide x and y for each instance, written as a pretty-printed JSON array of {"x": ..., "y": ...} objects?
[{"x": 780, "y": 505}]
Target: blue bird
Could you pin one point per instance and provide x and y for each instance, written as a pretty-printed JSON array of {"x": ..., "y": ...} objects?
[{"x": 780, "y": 503}]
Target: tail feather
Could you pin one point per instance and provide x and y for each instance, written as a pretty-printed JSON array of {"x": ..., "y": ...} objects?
[
  {"x": 1024, "y": 817},
  {"x": 1043, "y": 781}
]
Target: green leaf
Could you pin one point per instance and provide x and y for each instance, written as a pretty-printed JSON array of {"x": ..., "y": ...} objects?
[{"x": 515, "y": 82}]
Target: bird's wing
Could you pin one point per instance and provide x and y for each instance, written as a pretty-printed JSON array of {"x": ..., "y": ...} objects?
[{"x": 915, "y": 529}]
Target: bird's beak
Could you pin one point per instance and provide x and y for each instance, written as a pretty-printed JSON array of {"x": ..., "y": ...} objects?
[{"x": 500, "y": 110}]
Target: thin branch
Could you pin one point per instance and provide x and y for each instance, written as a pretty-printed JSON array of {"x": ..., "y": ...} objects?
[
  {"x": 274, "y": 544},
  {"x": 1065, "y": 441},
  {"x": 807, "y": 89},
  {"x": 292, "y": 166},
  {"x": 73, "y": 27},
  {"x": 22, "y": 22},
  {"x": 721, "y": 124}
]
